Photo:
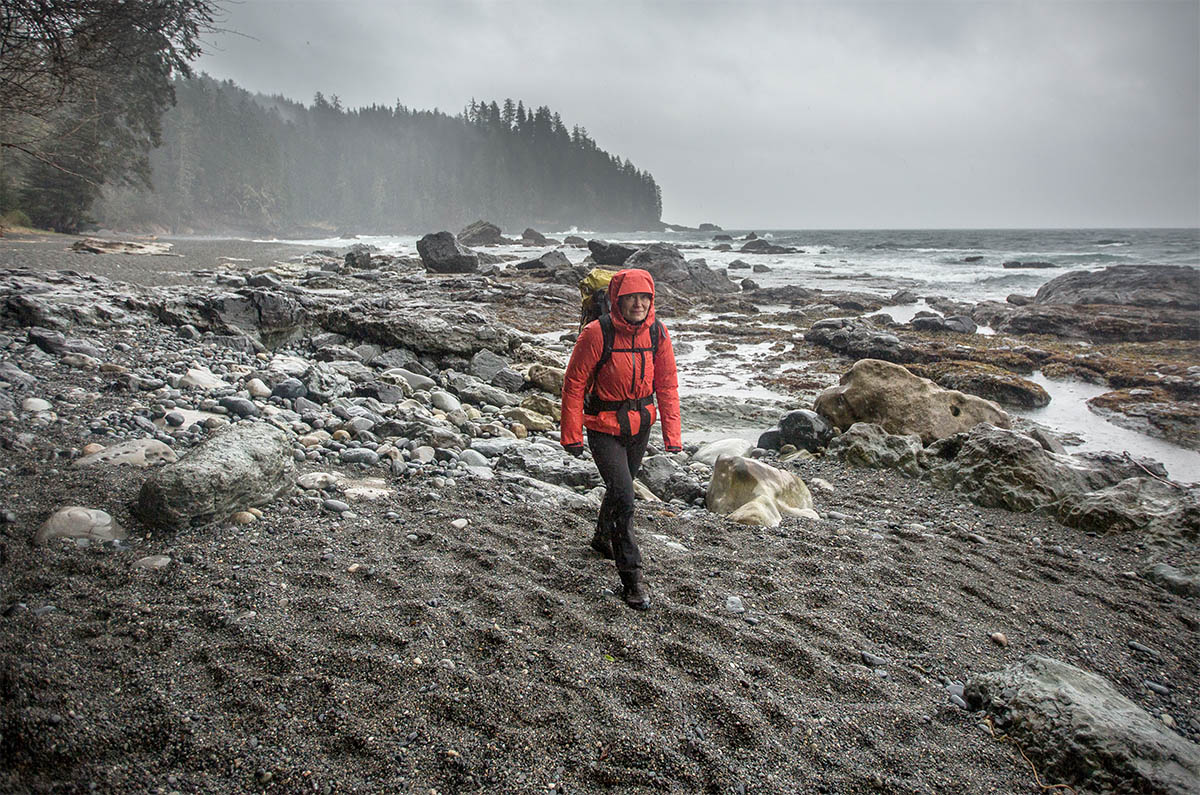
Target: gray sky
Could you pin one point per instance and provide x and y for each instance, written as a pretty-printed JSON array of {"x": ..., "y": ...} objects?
[{"x": 795, "y": 114}]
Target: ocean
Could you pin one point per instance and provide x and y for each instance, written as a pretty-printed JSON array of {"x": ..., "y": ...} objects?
[{"x": 961, "y": 264}]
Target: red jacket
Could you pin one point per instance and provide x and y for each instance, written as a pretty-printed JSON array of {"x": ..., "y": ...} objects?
[{"x": 626, "y": 375}]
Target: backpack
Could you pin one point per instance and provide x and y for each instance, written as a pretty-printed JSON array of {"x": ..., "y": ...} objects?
[
  {"x": 593, "y": 295},
  {"x": 594, "y": 305}
]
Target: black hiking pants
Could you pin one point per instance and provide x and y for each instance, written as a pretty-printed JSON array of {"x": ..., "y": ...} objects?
[{"x": 619, "y": 458}]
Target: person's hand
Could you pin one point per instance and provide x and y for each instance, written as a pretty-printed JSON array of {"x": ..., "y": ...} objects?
[{"x": 574, "y": 449}]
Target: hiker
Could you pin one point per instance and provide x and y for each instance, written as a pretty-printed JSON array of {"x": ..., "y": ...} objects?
[{"x": 620, "y": 363}]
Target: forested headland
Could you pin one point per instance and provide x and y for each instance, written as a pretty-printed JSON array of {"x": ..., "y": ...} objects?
[{"x": 232, "y": 161}]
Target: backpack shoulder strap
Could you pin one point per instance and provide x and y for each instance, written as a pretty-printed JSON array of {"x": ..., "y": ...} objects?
[
  {"x": 655, "y": 333},
  {"x": 610, "y": 335}
]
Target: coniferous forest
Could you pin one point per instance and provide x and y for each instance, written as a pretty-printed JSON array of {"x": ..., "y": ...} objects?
[{"x": 231, "y": 161}]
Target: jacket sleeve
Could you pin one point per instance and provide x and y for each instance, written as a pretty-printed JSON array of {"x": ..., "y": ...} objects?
[
  {"x": 666, "y": 387},
  {"x": 584, "y": 356}
]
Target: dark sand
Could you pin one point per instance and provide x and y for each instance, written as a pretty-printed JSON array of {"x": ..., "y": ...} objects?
[{"x": 495, "y": 659}]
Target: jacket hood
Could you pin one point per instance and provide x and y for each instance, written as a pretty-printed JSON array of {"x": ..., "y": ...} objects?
[{"x": 631, "y": 280}]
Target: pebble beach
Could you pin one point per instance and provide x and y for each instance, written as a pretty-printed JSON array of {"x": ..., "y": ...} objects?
[{"x": 413, "y": 624}]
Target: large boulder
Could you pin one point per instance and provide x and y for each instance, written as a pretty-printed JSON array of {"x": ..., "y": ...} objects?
[
  {"x": 481, "y": 233},
  {"x": 662, "y": 260},
  {"x": 889, "y": 395},
  {"x": 394, "y": 325},
  {"x": 1075, "y": 726},
  {"x": 1155, "y": 286},
  {"x": 269, "y": 317},
  {"x": 249, "y": 464},
  {"x": 1147, "y": 506},
  {"x": 868, "y": 445},
  {"x": 1001, "y": 468},
  {"x": 610, "y": 255},
  {"x": 441, "y": 253},
  {"x": 754, "y": 493}
]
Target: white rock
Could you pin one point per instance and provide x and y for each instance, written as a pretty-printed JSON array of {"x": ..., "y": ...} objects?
[
  {"x": 76, "y": 522},
  {"x": 754, "y": 493},
  {"x": 35, "y": 404},
  {"x": 444, "y": 401},
  {"x": 202, "y": 378},
  {"x": 152, "y": 562},
  {"x": 459, "y": 524},
  {"x": 258, "y": 389},
  {"x": 709, "y": 453},
  {"x": 134, "y": 453},
  {"x": 318, "y": 480}
]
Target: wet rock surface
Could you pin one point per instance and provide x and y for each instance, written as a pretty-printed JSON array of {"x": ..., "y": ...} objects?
[{"x": 1081, "y": 729}]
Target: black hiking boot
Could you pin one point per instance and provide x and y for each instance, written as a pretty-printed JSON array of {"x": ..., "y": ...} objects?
[
  {"x": 602, "y": 545},
  {"x": 635, "y": 593}
]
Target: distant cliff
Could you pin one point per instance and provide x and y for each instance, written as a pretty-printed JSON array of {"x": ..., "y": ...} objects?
[{"x": 235, "y": 161}]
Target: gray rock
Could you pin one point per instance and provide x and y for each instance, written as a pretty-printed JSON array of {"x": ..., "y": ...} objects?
[
  {"x": 395, "y": 357},
  {"x": 472, "y": 390},
  {"x": 240, "y": 406},
  {"x": 551, "y": 260},
  {"x": 1000, "y": 468},
  {"x": 508, "y": 380},
  {"x": 1077, "y": 727},
  {"x": 1173, "y": 579},
  {"x": 1141, "y": 505},
  {"x": 441, "y": 253},
  {"x": 474, "y": 458},
  {"x": 868, "y": 445},
  {"x": 548, "y": 464},
  {"x": 1152, "y": 286},
  {"x": 491, "y": 448},
  {"x": 480, "y": 233},
  {"x": 485, "y": 365},
  {"x": 861, "y": 340},
  {"x": 289, "y": 389},
  {"x": 414, "y": 380},
  {"x": 359, "y": 455},
  {"x": 668, "y": 480},
  {"x": 610, "y": 255},
  {"x": 247, "y": 465}
]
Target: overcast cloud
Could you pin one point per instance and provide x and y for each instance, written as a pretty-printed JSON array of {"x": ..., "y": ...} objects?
[{"x": 795, "y": 114}]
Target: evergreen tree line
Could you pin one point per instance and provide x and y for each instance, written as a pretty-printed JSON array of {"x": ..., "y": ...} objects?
[{"x": 232, "y": 161}]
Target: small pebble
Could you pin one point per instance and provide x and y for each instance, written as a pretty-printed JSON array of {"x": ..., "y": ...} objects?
[
  {"x": 459, "y": 524},
  {"x": 872, "y": 660},
  {"x": 335, "y": 506},
  {"x": 1162, "y": 690},
  {"x": 1000, "y": 639}
]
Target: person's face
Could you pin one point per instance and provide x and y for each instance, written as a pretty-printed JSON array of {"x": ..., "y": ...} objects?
[{"x": 634, "y": 306}]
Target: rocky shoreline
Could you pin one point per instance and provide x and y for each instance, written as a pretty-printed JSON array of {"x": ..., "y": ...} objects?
[{"x": 322, "y": 537}]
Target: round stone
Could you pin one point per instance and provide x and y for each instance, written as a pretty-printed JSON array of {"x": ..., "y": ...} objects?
[
  {"x": 35, "y": 404},
  {"x": 243, "y": 517}
]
